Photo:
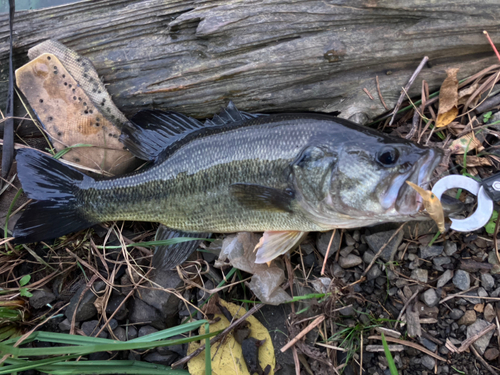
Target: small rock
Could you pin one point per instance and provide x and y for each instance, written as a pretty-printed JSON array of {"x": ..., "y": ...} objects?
[
  {"x": 456, "y": 314},
  {"x": 338, "y": 271},
  {"x": 487, "y": 281},
  {"x": 166, "y": 303},
  {"x": 89, "y": 327},
  {"x": 376, "y": 240},
  {"x": 430, "y": 298},
  {"x": 346, "y": 251},
  {"x": 113, "y": 303},
  {"x": 496, "y": 292},
  {"x": 161, "y": 359},
  {"x": 141, "y": 312},
  {"x": 368, "y": 256},
  {"x": 146, "y": 330},
  {"x": 420, "y": 274},
  {"x": 489, "y": 313},
  {"x": 492, "y": 257},
  {"x": 481, "y": 343},
  {"x": 323, "y": 240},
  {"x": 445, "y": 277},
  {"x": 120, "y": 333},
  {"x": 491, "y": 354},
  {"x": 374, "y": 272},
  {"x": 86, "y": 309},
  {"x": 428, "y": 344},
  {"x": 41, "y": 298},
  {"x": 350, "y": 261},
  {"x": 428, "y": 362},
  {"x": 468, "y": 318},
  {"x": 347, "y": 311},
  {"x": 113, "y": 323},
  {"x": 349, "y": 240},
  {"x": 450, "y": 248},
  {"x": 65, "y": 325},
  {"x": 427, "y": 252},
  {"x": 461, "y": 280},
  {"x": 132, "y": 332},
  {"x": 440, "y": 261}
]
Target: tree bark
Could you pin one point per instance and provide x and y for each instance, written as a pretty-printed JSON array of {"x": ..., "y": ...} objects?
[{"x": 271, "y": 55}]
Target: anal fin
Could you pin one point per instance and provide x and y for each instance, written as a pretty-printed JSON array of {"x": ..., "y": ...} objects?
[
  {"x": 274, "y": 244},
  {"x": 167, "y": 257}
]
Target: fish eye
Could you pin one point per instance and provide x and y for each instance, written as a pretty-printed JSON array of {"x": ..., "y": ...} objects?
[{"x": 388, "y": 156}]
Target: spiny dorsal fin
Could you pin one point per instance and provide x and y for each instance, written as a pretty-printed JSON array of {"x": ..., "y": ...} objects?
[{"x": 153, "y": 131}]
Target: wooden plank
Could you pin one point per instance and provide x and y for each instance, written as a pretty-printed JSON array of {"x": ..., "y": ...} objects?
[{"x": 273, "y": 55}]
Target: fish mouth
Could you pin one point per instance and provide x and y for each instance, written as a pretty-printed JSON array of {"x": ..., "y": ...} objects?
[{"x": 408, "y": 201}]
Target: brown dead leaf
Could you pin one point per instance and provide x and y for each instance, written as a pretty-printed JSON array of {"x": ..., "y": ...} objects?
[
  {"x": 464, "y": 94},
  {"x": 474, "y": 161},
  {"x": 448, "y": 99},
  {"x": 99, "y": 304},
  {"x": 467, "y": 142},
  {"x": 70, "y": 117},
  {"x": 432, "y": 204}
]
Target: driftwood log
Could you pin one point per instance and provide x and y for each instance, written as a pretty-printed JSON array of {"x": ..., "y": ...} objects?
[{"x": 265, "y": 55}]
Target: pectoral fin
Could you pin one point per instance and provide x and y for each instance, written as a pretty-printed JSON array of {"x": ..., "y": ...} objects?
[{"x": 274, "y": 244}]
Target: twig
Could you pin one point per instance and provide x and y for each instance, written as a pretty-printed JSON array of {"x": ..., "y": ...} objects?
[
  {"x": 495, "y": 240},
  {"x": 328, "y": 252},
  {"x": 382, "y": 249},
  {"x": 492, "y": 44},
  {"x": 483, "y": 362},
  {"x": 367, "y": 93},
  {"x": 233, "y": 325},
  {"x": 380, "y": 94},
  {"x": 410, "y": 344},
  {"x": 332, "y": 347},
  {"x": 407, "y": 87},
  {"x": 457, "y": 295},
  {"x": 404, "y": 307},
  {"x": 304, "y": 332},
  {"x": 467, "y": 343}
]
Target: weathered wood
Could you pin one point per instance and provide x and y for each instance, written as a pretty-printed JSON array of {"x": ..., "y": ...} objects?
[{"x": 274, "y": 55}]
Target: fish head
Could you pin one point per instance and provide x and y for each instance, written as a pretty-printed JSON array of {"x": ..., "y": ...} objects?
[{"x": 361, "y": 181}]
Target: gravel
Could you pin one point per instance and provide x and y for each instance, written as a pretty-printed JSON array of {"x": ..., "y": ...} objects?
[
  {"x": 481, "y": 343},
  {"x": 41, "y": 298},
  {"x": 350, "y": 261},
  {"x": 468, "y": 318},
  {"x": 487, "y": 281},
  {"x": 461, "y": 280},
  {"x": 376, "y": 240},
  {"x": 427, "y": 252},
  {"x": 444, "y": 278},
  {"x": 430, "y": 298}
]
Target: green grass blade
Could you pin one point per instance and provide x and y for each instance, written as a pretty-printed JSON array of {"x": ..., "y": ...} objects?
[
  {"x": 208, "y": 357},
  {"x": 166, "y": 333},
  {"x": 96, "y": 367},
  {"x": 16, "y": 365},
  {"x": 388, "y": 355},
  {"x": 172, "y": 241}
]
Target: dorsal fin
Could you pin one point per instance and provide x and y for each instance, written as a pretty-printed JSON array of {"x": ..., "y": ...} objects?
[
  {"x": 230, "y": 115},
  {"x": 152, "y": 131}
]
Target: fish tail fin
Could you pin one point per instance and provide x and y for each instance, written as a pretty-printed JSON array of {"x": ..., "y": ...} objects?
[{"x": 54, "y": 186}]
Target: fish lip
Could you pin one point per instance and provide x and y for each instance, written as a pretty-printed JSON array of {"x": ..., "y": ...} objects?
[{"x": 409, "y": 201}]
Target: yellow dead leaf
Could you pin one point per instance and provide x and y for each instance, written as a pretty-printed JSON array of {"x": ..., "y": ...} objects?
[
  {"x": 448, "y": 99},
  {"x": 464, "y": 94},
  {"x": 432, "y": 204},
  {"x": 468, "y": 142},
  {"x": 227, "y": 356}
]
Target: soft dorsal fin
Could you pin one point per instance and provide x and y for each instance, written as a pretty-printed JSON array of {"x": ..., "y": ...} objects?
[{"x": 153, "y": 131}]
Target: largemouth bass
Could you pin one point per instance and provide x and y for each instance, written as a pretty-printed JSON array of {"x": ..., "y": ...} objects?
[{"x": 281, "y": 174}]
